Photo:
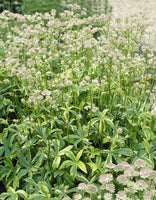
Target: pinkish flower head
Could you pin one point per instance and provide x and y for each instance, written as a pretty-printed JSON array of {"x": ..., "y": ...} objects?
[
  {"x": 91, "y": 189},
  {"x": 81, "y": 186},
  {"x": 122, "y": 179},
  {"x": 147, "y": 195},
  {"x": 108, "y": 196},
  {"x": 110, "y": 165},
  {"x": 139, "y": 163},
  {"x": 105, "y": 178},
  {"x": 121, "y": 195},
  {"x": 110, "y": 187},
  {"x": 140, "y": 185},
  {"x": 77, "y": 196}
]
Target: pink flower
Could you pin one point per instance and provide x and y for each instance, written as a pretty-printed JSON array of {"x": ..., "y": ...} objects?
[
  {"x": 108, "y": 196},
  {"x": 121, "y": 195},
  {"x": 141, "y": 185},
  {"x": 77, "y": 196},
  {"x": 139, "y": 163},
  {"x": 122, "y": 179},
  {"x": 105, "y": 178},
  {"x": 81, "y": 186},
  {"x": 91, "y": 189},
  {"x": 110, "y": 166},
  {"x": 110, "y": 187}
]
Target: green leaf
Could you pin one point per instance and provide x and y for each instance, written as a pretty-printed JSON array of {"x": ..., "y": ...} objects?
[
  {"x": 149, "y": 162},
  {"x": 23, "y": 194},
  {"x": 22, "y": 173},
  {"x": 73, "y": 170},
  {"x": 109, "y": 122},
  {"x": 94, "y": 121},
  {"x": 15, "y": 182},
  {"x": 82, "y": 166},
  {"x": 68, "y": 179},
  {"x": 8, "y": 162},
  {"x": 71, "y": 155},
  {"x": 108, "y": 159},
  {"x": 56, "y": 162},
  {"x": 4, "y": 196},
  {"x": 1, "y": 151},
  {"x": 24, "y": 162},
  {"x": 11, "y": 190},
  {"x": 124, "y": 151},
  {"x": 104, "y": 113},
  {"x": 93, "y": 166},
  {"x": 37, "y": 197},
  {"x": 44, "y": 189},
  {"x": 146, "y": 145},
  {"x": 66, "y": 163},
  {"x": 79, "y": 154},
  {"x": 63, "y": 151}
]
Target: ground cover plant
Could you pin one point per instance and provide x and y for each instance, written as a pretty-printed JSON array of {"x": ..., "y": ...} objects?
[{"x": 77, "y": 107}]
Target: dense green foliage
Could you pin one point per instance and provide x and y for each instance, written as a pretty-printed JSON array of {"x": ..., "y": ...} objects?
[{"x": 77, "y": 105}]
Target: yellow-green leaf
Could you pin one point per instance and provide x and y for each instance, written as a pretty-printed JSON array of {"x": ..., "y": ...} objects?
[
  {"x": 79, "y": 154},
  {"x": 82, "y": 166}
]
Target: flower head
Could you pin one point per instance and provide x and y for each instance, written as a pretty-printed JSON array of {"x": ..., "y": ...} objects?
[
  {"x": 139, "y": 163},
  {"x": 77, "y": 196},
  {"x": 147, "y": 195},
  {"x": 121, "y": 195},
  {"x": 91, "y": 189},
  {"x": 110, "y": 187},
  {"x": 110, "y": 165},
  {"x": 108, "y": 196},
  {"x": 82, "y": 186},
  {"x": 122, "y": 179},
  {"x": 105, "y": 178},
  {"x": 141, "y": 185}
]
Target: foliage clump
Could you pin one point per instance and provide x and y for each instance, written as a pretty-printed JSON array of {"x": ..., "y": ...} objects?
[{"x": 77, "y": 99}]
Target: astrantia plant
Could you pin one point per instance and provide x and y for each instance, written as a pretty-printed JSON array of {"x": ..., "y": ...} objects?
[
  {"x": 124, "y": 182},
  {"x": 77, "y": 94}
]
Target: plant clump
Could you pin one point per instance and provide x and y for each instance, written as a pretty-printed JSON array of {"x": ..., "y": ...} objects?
[{"x": 77, "y": 107}]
